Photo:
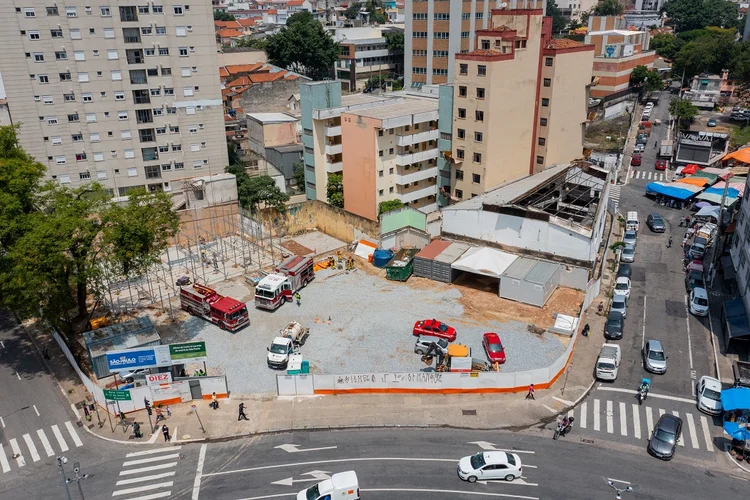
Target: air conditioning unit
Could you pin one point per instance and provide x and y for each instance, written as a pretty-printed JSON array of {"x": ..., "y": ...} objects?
[{"x": 190, "y": 28}]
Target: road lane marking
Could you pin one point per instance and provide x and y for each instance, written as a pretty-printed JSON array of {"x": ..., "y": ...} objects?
[
  {"x": 551, "y": 410},
  {"x": 144, "y": 478},
  {"x": 17, "y": 451},
  {"x": 650, "y": 394},
  {"x": 563, "y": 401},
  {"x": 147, "y": 469},
  {"x": 45, "y": 442},
  {"x": 4, "y": 460},
  {"x": 623, "y": 420},
  {"x": 617, "y": 481},
  {"x": 2, "y": 343},
  {"x": 294, "y": 448},
  {"x": 410, "y": 490},
  {"x": 610, "y": 418},
  {"x": 691, "y": 428},
  {"x": 152, "y": 459},
  {"x": 582, "y": 418},
  {"x": 2, "y": 422},
  {"x": 713, "y": 344},
  {"x": 596, "y": 415},
  {"x": 707, "y": 434},
  {"x": 152, "y": 496},
  {"x": 151, "y": 452},
  {"x": 18, "y": 376},
  {"x": 199, "y": 472},
  {"x": 690, "y": 346},
  {"x": 32, "y": 448},
  {"x": 59, "y": 437},
  {"x": 138, "y": 489},
  {"x": 680, "y": 441},
  {"x": 486, "y": 445},
  {"x": 649, "y": 420},
  {"x": 636, "y": 422},
  {"x": 73, "y": 433},
  {"x": 643, "y": 329}
]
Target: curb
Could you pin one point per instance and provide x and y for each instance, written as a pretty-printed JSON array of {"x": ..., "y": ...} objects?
[{"x": 735, "y": 462}]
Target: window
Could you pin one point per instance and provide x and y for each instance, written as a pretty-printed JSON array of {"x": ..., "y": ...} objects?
[
  {"x": 438, "y": 53},
  {"x": 149, "y": 52},
  {"x": 460, "y": 154},
  {"x": 56, "y": 141},
  {"x": 545, "y": 102},
  {"x": 51, "y": 120},
  {"x": 33, "y": 35},
  {"x": 60, "y": 160},
  {"x": 164, "y": 149},
  {"x": 161, "y": 30},
  {"x": 56, "y": 33},
  {"x": 166, "y": 166},
  {"x": 129, "y": 153},
  {"x": 476, "y": 178},
  {"x": 94, "y": 137},
  {"x": 81, "y": 157},
  {"x": 166, "y": 71},
  {"x": 180, "y": 31},
  {"x": 105, "y": 11},
  {"x": 69, "y": 97},
  {"x": 90, "y": 117},
  {"x": 117, "y": 75},
  {"x": 461, "y": 133},
  {"x": 75, "y": 34},
  {"x": 543, "y": 122},
  {"x": 485, "y": 45},
  {"x": 547, "y": 82},
  {"x": 122, "y": 115},
  {"x": 461, "y": 113},
  {"x": 464, "y": 34},
  {"x": 477, "y": 158},
  {"x": 109, "y": 32},
  {"x": 143, "y": 116},
  {"x": 143, "y": 9},
  {"x": 71, "y": 12},
  {"x": 79, "y": 55},
  {"x": 419, "y": 34},
  {"x": 152, "y": 171},
  {"x": 61, "y": 55},
  {"x": 164, "y": 51},
  {"x": 128, "y": 14},
  {"x": 197, "y": 147},
  {"x": 64, "y": 77},
  {"x": 38, "y": 57},
  {"x": 463, "y": 69},
  {"x": 193, "y": 129},
  {"x": 478, "y": 137},
  {"x": 438, "y": 17},
  {"x": 77, "y": 137},
  {"x": 176, "y": 147},
  {"x": 100, "y": 174},
  {"x": 43, "y": 78},
  {"x": 119, "y": 95},
  {"x": 548, "y": 61},
  {"x": 125, "y": 135},
  {"x": 542, "y": 141},
  {"x": 185, "y": 72},
  {"x": 441, "y": 35},
  {"x": 459, "y": 175},
  {"x": 52, "y": 11},
  {"x": 174, "y": 130},
  {"x": 158, "y": 111},
  {"x": 178, "y": 10},
  {"x": 480, "y": 93},
  {"x": 439, "y": 72},
  {"x": 72, "y": 118},
  {"x": 112, "y": 54},
  {"x": 146, "y": 135},
  {"x": 461, "y": 91},
  {"x": 479, "y": 116},
  {"x": 83, "y": 77},
  {"x": 87, "y": 97},
  {"x": 540, "y": 160},
  {"x": 92, "y": 31},
  {"x": 459, "y": 194},
  {"x": 157, "y": 9},
  {"x": 132, "y": 172},
  {"x": 187, "y": 91},
  {"x": 482, "y": 70}
]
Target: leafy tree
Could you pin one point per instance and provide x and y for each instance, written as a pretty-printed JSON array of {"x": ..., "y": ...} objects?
[
  {"x": 335, "y": 190},
  {"x": 387, "y": 206},
  {"x": 608, "y": 8},
  {"x": 299, "y": 175},
  {"x": 376, "y": 82},
  {"x": 256, "y": 191},
  {"x": 654, "y": 81},
  {"x": 220, "y": 15},
  {"x": 685, "y": 15},
  {"x": 352, "y": 11},
  {"x": 395, "y": 41},
  {"x": 649, "y": 79},
  {"x": 638, "y": 75},
  {"x": 558, "y": 21},
  {"x": 375, "y": 11},
  {"x": 303, "y": 46},
  {"x": 711, "y": 52},
  {"x": 684, "y": 111},
  {"x": 253, "y": 43},
  {"x": 666, "y": 45}
]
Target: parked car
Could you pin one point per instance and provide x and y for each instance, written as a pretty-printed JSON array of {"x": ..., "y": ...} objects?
[
  {"x": 423, "y": 343},
  {"x": 490, "y": 465},
  {"x": 656, "y": 223},
  {"x": 698, "y": 301},
  {"x": 636, "y": 160},
  {"x": 694, "y": 279},
  {"x": 711, "y": 123},
  {"x": 627, "y": 254},
  {"x": 661, "y": 165},
  {"x": 620, "y": 305},
  {"x": 493, "y": 348},
  {"x": 630, "y": 238},
  {"x": 623, "y": 270},
  {"x": 614, "y": 326},
  {"x": 130, "y": 375},
  {"x": 654, "y": 359},
  {"x": 622, "y": 287},
  {"x": 434, "y": 328},
  {"x": 638, "y": 148},
  {"x": 708, "y": 393},
  {"x": 664, "y": 437}
]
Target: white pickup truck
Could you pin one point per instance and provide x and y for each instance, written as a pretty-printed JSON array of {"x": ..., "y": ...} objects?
[{"x": 608, "y": 362}]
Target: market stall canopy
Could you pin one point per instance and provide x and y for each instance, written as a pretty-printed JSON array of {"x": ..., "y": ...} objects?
[
  {"x": 695, "y": 181},
  {"x": 735, "y": 399},
  {"x": 678, "y": 190},
  {"x": 702, "y": 173},
  {"x": 707, "y": 211},
  {"x": 485, "y": 261},
  {"x": 715, "y": 198},
  {"x": 690, "y": 169},
  {"x": 742, "y": 155},
  {"x": 731, "y": 192},
  {"x": 733, "y": 184}
]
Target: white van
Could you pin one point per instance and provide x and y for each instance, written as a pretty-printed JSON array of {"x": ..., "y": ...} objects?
[
  {"x": 698, "y": 302},
  {"x": 631, "y": 221},
  {"x": 341, "y": 486}
]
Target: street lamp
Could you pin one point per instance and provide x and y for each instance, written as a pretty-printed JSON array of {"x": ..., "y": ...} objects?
[
  {"x": 619, "y": 491},
  {"x": 77, "y": 478},
  {"x": 61, "y": 461}
]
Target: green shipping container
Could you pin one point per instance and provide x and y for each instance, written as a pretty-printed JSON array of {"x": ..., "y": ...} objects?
[{"x": 400, "y": 267}]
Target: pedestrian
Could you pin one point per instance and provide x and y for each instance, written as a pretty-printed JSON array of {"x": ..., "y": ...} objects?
[
  {"x": 530, "y": 394},
  {"x": 159, "y": 415},
  {"x": 298, "y": 298},
  {"x": 45, "y": 353},
  {"x": 687, "y": 221},
  {"x": 682, "y": 221},
  {"x": 169, "y": 412},
  {"x": 684, "y": 241},
  {"x": 242, "y": 413},
  {"x": 214, "y": 401},
  {"x": 86, "y": 412},
  {"x": 669, "y": 243},
  {"x": 165, "y": 431}
]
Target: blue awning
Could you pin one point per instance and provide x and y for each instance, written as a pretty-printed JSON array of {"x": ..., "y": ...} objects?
[
  {"x": 679, "y": 193},
  {"x": 735, "y": 399},
  {"x": 737, "y": 431},
  {"x": 731, "y": 192}
]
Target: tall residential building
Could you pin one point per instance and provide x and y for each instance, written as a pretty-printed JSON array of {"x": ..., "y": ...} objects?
[
  {"x": 437, "y": 30},
  {"x": 386, "y": 147},
  {"x": 126, "y": 94},
  {"x": 519, "y": 103},
  {"x": 365, "y": 54}
]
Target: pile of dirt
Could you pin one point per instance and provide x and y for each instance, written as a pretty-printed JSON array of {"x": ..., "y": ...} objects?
[{"x": 596, "y": 135}]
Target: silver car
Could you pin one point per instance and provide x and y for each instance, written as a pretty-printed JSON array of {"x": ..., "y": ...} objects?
[
  {"x": 630, "y": 238},
  {"x": 424, "y": 342},
  {"x": 654, "y": 359},
  {"x": 627, "y": 254},
  {"x": 620, "y": 305}
]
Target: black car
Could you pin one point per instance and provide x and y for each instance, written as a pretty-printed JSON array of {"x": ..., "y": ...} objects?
[
  {"x": 623, "y": 270},
  {"x": 656, "y": 223},
  {"x": 613, "y": 327},
  {"x": 664, "y": 437},
  {"x": 694, "y": 280}
]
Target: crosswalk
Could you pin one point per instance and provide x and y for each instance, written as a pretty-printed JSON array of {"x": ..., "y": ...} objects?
[
  {"x": 648, "y": 175},
  {"x": 155, "y": 467},
  {"x": 633, "y": 420},
  {"x": 34, "y": 446},
  {"x": 614, "y": 194}
]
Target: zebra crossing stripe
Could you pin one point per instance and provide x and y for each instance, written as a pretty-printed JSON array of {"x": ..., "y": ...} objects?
[
  {"x": 623, "y": 420},
  {"x": 59, "y": 437},
  {"x": 138, "y": 489},
  {"x": 636, "y": 422},
  {"x": 706, "y": 434},
  {"x": 4, "y": 460},
  {"x": 73, "y": 433},
  {"x": 153, "y": 496},
  {"x": 144, "y": 478},
  {"x": 45, "y": 442},
  {"x": 649, "y": 419},
  {"x": 147, "y": 469},
  {"x": 152, "y": 459},
  {"x": 32, "y": 448},
  {"x": 691, "y": 428},
  {"x": 17, "y": 451},
  {"x": 151, "y": 452},
  {"x": 596, "y": 415},
  {"x": 582, "y": 423},
  {"x": 610, "y": 418}
]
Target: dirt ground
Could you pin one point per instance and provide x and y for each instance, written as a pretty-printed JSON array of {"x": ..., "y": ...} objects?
[{"x": 596, "y": 134}]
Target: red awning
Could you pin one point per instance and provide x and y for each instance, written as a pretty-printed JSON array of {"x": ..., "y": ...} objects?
[{"x": 690, "y": 169}]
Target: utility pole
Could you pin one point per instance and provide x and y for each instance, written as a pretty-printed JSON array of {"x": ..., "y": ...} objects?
[
  {"x": 77, "y": 478},
  {"x": 61, "y": 461}
]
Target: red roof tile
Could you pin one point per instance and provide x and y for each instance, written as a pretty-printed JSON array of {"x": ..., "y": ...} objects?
[
  {"x": 243, "y": 80},
  {"x": 235, "y": 69},
  {"x": 246, "y": 22},
  {"x": 563, "y": 43},
  {"x": 295, "y": 3},
  {"x": 227, "y": 33},
  {"x": 227, "y": 24},
  {"x": 273, "y": 11},
  {"x": 267, "y": 77},
  {"x": 223, "y": 72}
]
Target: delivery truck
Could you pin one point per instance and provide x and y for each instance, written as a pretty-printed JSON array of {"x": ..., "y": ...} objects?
[{"x": 341, "y": 486}]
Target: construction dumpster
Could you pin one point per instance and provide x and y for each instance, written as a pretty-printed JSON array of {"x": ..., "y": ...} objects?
[{"x": 400, "y": 267}]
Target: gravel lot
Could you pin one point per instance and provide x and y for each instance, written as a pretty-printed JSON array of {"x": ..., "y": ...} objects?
[{"x": 370, "y": 330}]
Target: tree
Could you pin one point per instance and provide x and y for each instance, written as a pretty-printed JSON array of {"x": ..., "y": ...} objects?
[
  {"x": 608, "y": 8},
  {"x": 394, "y": 41},
  {"x": 352, "y": 11},
  {"x": 335, "y": 190},
  {"x": 712, "y": 51},
  {"x": 654, "y": 81},
  {"x": 375, "y": 11},
  {"x": 252, "y": 43},
  {"x": 220, "y": 15},
  {"x": 638, "y": 76},
  {"x": 684, "y": 111},
  {"x": 666, "y": 45},
  {"x": 558, "y": 21},
  {"x": 686, "y": 15},
  {"x": 387, "y": 206},
  {"x": 304, "y": 46},
  {"x": 299, "y": 175},
  {"x": 649, "y": 79}
]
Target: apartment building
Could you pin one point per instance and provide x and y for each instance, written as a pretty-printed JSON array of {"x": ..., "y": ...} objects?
[
  {"x": 519, "y": 103},
  {"x": 125, "y": 94},
  {"x": 365, "y": 54},
  {"x": 384, "y": 146},
  {"x": 436, "y": 30}
]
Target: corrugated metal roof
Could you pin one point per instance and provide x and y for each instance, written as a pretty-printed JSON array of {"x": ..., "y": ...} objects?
[
  {"x": 433, "y": 249},
  {"x": 542, "y": 272},
  {"x": 520, "y": 268},
  {"x": 452, "y": 253}
]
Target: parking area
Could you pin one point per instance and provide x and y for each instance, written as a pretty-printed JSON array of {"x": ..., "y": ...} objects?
[{"x": 370, "y": 330}]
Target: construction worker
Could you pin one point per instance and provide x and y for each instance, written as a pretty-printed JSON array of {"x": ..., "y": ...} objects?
[{"x": 298, "y": 298}]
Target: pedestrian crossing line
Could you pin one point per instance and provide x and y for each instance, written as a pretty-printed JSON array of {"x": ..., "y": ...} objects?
[
  {"x": 4, "y": 460},
  {"x": 582, "y": 419},
  {"x": 32, "y": 448},
  {"x": 610, "y": 418},
  {"x": 691, "y": 429},
  {"x": 73, "y": 434},
  {"x": 596, "y": 415},
  {"x": 45, "y": 443},
  {"x": 636, "y": 422},
  {"x": 147, "y": 469},
  {"x": 17, "y": 451},
  {"x": 59, "y": 437},
  {"x": 649, "y": 419},
  {"x": 152, "y": 459},
  {"x": 138, "y": 489},
  {"x": 706, "y": 434},
  {"x": 152, "y": 496},
  {"x": 623, "y": 420},
  {"x": 661, "y": 412},
  {"x": 680, "y": 441},
  {"x": 151, "y": 452},
  {"x": 141, "y": 479}
]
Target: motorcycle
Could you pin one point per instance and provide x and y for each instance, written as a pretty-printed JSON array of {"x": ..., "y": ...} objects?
[
  {"x": 643, "y": 390},
  {"x": 564, "y": 426}
]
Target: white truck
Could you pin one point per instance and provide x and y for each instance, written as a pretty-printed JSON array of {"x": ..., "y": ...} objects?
[
  {"x": 341, "y": 486},
  {"x": 608, "y": 362}
]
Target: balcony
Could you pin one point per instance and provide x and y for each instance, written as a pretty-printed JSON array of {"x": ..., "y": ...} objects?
[
  {"x": 410, "y": 139},
  {"x": 333, "y": 131},
  {"x": 408, "y": 159},
  {"x": 418, "y": 194},
  {"x": 334, "y": 168},
  {"x": 418, "y": 175},
  {"x": 333, "y": 149}
]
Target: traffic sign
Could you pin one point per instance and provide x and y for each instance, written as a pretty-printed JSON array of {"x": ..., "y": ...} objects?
[{"x": 116, "y": 395}]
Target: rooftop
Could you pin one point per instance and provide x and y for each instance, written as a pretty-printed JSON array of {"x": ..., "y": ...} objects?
[
  {"x": 288, "y": 148},
  {"x": 402, "y": 108},
  {"x": 616, "y": 32},
  {"x": 563, "y": 43},
  {"x": 355, "y": 99},
  {"x": 228, "y": 33},
  {"x": 266, "y": 118}
]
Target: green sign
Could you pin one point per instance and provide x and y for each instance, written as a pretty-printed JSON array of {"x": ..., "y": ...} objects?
[
  {"x": 188, "y": 351},
  {"x": 116, "y": 395}
]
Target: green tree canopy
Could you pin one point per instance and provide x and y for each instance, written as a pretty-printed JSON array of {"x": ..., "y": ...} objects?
[
  {"x": 387, "y": 206},
  {"x": 303, "y": 46},
  {"x": 335, "y": 190},
  {"x": 395, "y": 41},
  {"x": 352, "y": 11},
  {"x": 649, "y": 79},
  {"x": 666, "y": 45},
  {"x": 220, "y": 15},
  {"x": 684, "y": 110},
  {"x": 608, "y": 8},
  {"x": 253, "y": 43},
  {"x": 711, "y": 52},
  {"x": 558, "y": 21},
  {"x": 299, "y": 175},
  {"x": 256, "y": 191},
  {"x": 686, "y": 15}
]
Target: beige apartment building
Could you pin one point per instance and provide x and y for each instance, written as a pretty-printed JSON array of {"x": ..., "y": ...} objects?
[
  {"x": 125, "y": 93},
  {"x": 519, "y": 102}
]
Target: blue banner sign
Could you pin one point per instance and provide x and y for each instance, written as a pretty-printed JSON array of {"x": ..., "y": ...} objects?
[{"x": 130, "y": 359}]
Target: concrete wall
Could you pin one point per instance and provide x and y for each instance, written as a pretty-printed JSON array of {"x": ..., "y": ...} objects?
[
  {"x": 333, "y": 221},
  {"x": 269, "y": 97},
  {"x": 284, "y": 161},
  {"x": 261, "y": 136}
]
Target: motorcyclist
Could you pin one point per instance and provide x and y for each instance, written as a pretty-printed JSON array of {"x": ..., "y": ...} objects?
[{"x": 645, "y": 386}]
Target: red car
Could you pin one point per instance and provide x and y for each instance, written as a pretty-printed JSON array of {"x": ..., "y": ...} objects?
[
  {"x": 494, "y": 348},
  {"x": 636, "y": 160},
  {"x": 435, "y": 328},
  {"x": 661, "y": 164}
]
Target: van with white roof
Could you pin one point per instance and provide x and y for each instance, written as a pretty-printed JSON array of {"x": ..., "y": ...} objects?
[
  {"x": 631, "y": 221},
  {"x": 341, "y": 486},
  {"x": 698, "y": 301}
]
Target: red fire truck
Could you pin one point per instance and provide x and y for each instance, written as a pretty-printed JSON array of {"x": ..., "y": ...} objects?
[
  {"x": 298, "y": 269},
  {"x": 228, "y": 313},
  {"x": 272, "y": 291}
]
